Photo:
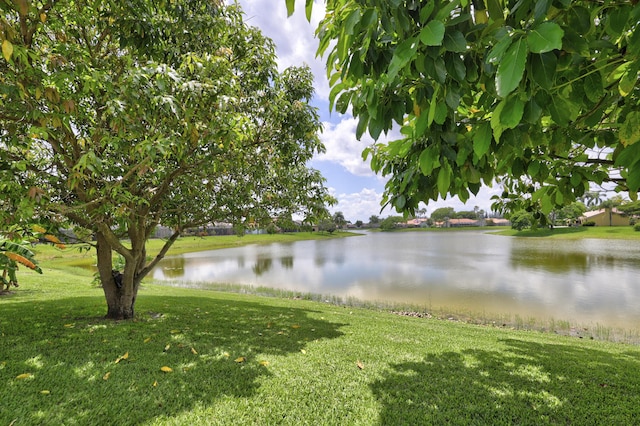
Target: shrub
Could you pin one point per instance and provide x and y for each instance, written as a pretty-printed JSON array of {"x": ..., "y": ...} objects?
[
  {"x": 589, "y": 223},
  {"x": 636, "y": 227},
  {"x": 272, "y": 229},
  {"x": 521, "y": 220}
]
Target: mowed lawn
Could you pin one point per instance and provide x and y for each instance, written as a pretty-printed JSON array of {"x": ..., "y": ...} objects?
[{"x": 203, "y": 357}]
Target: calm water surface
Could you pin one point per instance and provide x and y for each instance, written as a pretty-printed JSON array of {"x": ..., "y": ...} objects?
[{"x": 586, "y": 281}]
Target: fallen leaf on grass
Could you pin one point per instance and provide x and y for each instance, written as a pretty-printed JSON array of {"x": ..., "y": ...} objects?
[
  {"x": 24, "y": 376},
  {"x": 240, "y": 359},
  {"x": 166, "y": 348},
  {"x": 147, "y": 340},
  {"x": 303, "y": 351},
  {"x": 174, "y": 331},
  {"x": 120, "y": 358},
  {"x": 107, "y": 375},
  {"x": 69, "y": 325},
  {"x": 45, "y": 392},
  {"x": 295, "y": 326},
  {"x": 264, "y": 363},
  {"x": 155, "y": 383},
  {"x": 166, "y": 369},
  {"x": 360, "y": 365},
  {"x": 193, "y": 351}
]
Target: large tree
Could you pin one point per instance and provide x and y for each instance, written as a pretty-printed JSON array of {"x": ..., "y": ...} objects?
[
  {"x": 117, "y": 117},
  {"x": 539, "y": 95}
]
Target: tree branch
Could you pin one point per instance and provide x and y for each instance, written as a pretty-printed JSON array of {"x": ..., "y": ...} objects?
[{"x": 160, "y": 255}]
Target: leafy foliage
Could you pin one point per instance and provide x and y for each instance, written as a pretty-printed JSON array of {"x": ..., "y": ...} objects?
[
  {"x": 521, "y": 220},
  {"x": 391, "y": 222},
  {"x": 117, "y": 117},
  {"x": 540, "y": 96}
]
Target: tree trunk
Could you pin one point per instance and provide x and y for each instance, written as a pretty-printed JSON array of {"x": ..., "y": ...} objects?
[{"x": 120, "y": 290}]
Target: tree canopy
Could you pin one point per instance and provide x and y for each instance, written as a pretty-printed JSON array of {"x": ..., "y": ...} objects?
[
  {"x": 538, "y": 95},
  {"x": 116, "y": 117}
]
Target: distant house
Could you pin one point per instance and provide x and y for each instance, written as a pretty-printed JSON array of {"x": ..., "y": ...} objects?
[
  {"x": 605, "y": 217},
  {"x": 418, "y": 222},
  {"x": 457, "y": 223}
]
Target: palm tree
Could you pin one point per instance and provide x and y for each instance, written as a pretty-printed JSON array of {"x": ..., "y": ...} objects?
[{"x": 592, "y": 198}]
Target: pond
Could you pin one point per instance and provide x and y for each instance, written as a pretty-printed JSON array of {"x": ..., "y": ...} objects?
[{"x": 583, "y": 281}]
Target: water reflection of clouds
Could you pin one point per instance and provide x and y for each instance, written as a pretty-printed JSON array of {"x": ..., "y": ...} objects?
[{"x": 578, "y": 280}]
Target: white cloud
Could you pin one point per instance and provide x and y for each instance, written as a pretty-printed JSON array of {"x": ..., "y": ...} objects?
[{"x": 343, "y": 148}]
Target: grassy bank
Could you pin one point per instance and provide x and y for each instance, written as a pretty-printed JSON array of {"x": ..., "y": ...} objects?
[
  {"x": 245, "y": 359},
  {"x": 579, "y": 232}
]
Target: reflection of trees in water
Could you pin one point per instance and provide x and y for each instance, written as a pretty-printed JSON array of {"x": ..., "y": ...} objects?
[
  {"x": 558, "y": 261},
  {"x": 334, "y": 253},
  {"x": 173, "y": 267},
  {"x": 287, "y": 262},
  {"x": 263, "y": 264}
]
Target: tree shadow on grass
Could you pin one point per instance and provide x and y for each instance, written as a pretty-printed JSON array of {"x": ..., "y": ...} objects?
[
  {"x": 215, "y": 348},
  {"x": 528, "y": 384}
]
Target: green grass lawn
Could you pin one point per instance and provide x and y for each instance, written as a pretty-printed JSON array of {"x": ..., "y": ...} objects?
[
  {"x": 245, "y": 359},
  {"x": 575, "y": 233}
]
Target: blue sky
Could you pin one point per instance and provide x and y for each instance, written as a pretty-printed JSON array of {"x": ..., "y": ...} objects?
[{"x": 358, "y": 190}]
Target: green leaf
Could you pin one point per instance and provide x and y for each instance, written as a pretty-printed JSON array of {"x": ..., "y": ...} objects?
[
  {"x": 560, "y": 110},
  {"x": 455, "y": 42},
  {"x": 428, "y": 161},
  {"x": 511, "y": 68},
  {"x": 533, "y": 168},
  {"x": 576, "y": 179},
  {"x": 496, "y": 11},
  {"x": 540, "y": 9},
  {"x": 432, "y": 34},
  {"x": 593, "y": 86},
  {"x": 482, "y": 139},
  {"x": 630, "y": 130},
  {"x": 444, "y": 180},
  {"x": 352, "y": 21},
  {"x": 633, "y": 42},
  {"x": 363, "y": 121},
  {"x": 616, "y": 20},
  {"x": 426, "y": 10},
  {"x": 496, "y": 125},
  {"x": 545, "y": 38},
  {"x": 511, "y": 114},
  {"x": 432, "y": 107},
  {"x": 543, "y": 69},
  {"x": 579, "y": 18},
  {"x": 452, "y": 96},
  {"x": 440, "y": 70},
  {"x": 404, "y": 52},
  {"x": 441, "y": 113},
  {"x": 375, "y": 128},
  {"x": 633, "y": 178},
  {"x": 291, "y": 4},
  {"x": 626, "y": 156},
  {"x": 532, "y": 111},
  {"x": 628, "y": 81},
  {"x": 546, "y": 204},
  {"x": 7, "y": 49},
  {"x": 495, "y": 54},
  {"x": 308, "y": 8}
]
